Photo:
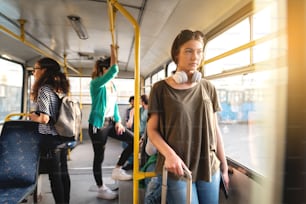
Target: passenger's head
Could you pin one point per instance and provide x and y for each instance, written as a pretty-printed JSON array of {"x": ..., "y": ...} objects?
[
  {"x": 131, "y": 100},
  {"x": 47, "y": 71},
  {"x": 184, "y": 37},
  {"x": 144, "y": 99},
  {"x": 101, "y": 67},
  {"x": 45, "y": 66}
]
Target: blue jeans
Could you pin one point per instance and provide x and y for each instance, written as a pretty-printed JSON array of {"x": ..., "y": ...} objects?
[
  {"x": 202, "y": 192},
  {"x": 153, "y": 191},
  {"x": 153, "y": 187}
]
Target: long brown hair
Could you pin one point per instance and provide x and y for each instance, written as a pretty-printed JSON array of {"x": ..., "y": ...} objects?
[
  {"x": 183, "y": 37},
  {"x": 52, "y": 76}
]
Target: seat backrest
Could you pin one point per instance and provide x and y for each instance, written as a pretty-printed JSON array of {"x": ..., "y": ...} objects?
[{"x": 19, "y": 153}]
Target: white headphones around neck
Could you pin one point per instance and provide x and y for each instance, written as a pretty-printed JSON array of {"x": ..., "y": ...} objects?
[{"x": 181, "y": 77}]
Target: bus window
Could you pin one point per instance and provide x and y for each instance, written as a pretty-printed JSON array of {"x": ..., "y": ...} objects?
[
  {"x": 80, "y": 89},
  {"x": 11, "y": 84},
  {"x": 241, "y": 119},
  {"x": 125, "y": 89},
  {"x": 158, "y": 76},
  {"x": 232, "y": 38},
  {"x": 147, "y": 84}
]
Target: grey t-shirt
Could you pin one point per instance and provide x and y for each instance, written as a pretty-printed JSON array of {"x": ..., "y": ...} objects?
[{"x": 187, "y": 123}]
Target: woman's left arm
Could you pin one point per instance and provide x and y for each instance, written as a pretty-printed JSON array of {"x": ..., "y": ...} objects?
[
  {"x": 221, "y": 153},
  {"x": 120, "y": 129},
  {"x": 40, "y": 118}
]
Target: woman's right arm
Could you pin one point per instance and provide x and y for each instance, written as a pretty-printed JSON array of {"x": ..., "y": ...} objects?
[
  {"x": 111, "y": 73},
  {"x": 114, "y": 52},
  {"x": 173, "y": 162}
]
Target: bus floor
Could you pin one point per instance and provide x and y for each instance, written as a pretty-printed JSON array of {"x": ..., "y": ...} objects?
[{"x": 80, "y": 170}]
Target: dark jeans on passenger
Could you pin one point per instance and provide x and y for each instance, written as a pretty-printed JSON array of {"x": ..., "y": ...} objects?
[
  {"x": 99, "y": 139},
  {"x": 54, "y": 152},
  {"x": 153, "y": 187}
]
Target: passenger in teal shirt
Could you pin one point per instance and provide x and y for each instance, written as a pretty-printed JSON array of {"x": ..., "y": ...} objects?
[
  {"x": 98, "y": 97},
  {"x": 104, "y": 120}
]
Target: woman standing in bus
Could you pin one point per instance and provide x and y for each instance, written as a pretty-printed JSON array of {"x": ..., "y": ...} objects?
[
  {"x": 183, "y": 125},
  {"x": 49, "y": 80},
  {"x": 104, "y": 120}
]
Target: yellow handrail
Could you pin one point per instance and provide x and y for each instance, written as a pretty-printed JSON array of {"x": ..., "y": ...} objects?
[
  {"x": 137, "y": 175},
  {"x": 112, "y": 16},
  {"x": 22, "y": 39},
  {"x": 8, "y": 117}
]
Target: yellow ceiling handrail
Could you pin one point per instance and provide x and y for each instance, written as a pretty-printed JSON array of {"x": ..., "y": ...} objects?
[{"x": 22, "y": 39}]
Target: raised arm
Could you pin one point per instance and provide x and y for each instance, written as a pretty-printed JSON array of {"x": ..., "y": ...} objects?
[{"x": 114, "y": 54}]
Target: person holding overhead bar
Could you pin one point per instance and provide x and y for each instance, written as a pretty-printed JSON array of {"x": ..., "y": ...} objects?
[{"x": 104, "y": 120}]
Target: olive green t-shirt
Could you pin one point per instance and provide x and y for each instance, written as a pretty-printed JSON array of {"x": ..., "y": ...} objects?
[{"x": 187, "y": 125}]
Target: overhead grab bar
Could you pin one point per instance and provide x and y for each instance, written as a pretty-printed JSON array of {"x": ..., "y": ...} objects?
[{"x": 112, "y": 20}]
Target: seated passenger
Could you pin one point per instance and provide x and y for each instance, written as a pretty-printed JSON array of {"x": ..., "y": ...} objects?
[{"x": 143, "y": 111}]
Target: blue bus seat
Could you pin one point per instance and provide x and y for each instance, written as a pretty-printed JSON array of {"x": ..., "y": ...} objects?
[{"x": 19, "y": 160}]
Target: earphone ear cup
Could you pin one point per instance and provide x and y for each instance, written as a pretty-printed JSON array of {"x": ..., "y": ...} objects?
[
  {"x": 180, "y": 77},
  {"x": 196, "y": 77}
]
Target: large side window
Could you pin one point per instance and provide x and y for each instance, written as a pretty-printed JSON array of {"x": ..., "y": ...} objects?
[
  {"x": 244, "y": 63},
  {"x": 80, "y": 89},
  {"x": 234, "y": 37},
  {"x": 11, "y": 88},
  {"x": 147, "y": 84}
]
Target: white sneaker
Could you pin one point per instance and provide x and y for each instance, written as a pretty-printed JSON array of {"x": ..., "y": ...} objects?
[
  {"x": 120, "y": 174},
  {"x": 105, "y": 193},
  {"x": 93, "y": 188}
]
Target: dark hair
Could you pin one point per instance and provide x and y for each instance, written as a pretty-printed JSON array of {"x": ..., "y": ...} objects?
[
  {"x": 145, "y": 99},
  {"x": 131, "y": 98},
  {"x": 99, "y": 65},
  {"x": 52, "y": 76},
  {"x": 183, "y": 37},
  {"x": 103, "y": 63}
]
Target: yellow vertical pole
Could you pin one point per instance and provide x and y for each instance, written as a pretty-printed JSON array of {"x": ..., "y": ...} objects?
[
  {"x": 112, "y": 20},
  {"x": 22, "y": 31},
  {"x": 136, "y": 175},
  {"x": 65, "y": 64}
]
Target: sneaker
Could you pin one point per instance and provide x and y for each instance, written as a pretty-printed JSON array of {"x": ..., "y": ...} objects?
[
  {"x": 127, "y": 167},
  {"x": 119, "y": 174},
  {"x": 93, "y": 188},
  {"x": 105, "y": 193}
]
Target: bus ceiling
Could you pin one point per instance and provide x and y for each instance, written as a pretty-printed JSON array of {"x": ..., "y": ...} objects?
[{"x": 47, "y": 30}]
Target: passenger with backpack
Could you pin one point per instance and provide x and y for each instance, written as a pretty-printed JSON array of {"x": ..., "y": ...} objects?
[
  {"x": 50, "y": 81},
  {"x": 104, "y": 120}
]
